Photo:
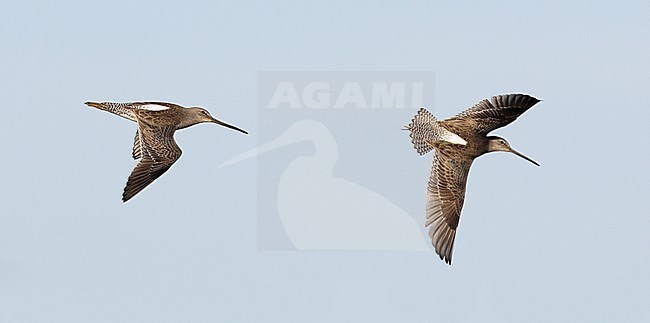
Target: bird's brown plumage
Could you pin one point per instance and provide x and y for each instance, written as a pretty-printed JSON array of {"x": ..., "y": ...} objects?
[
  {"x": 452, "y": 161},
  {"x": 154, "y": 143}
]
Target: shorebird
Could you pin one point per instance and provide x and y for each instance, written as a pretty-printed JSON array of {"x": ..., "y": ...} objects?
[
  {"x": 154, "y": 143},
  {"x": 457, "y": 142}
]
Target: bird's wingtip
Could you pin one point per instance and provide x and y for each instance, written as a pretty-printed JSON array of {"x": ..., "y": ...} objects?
[
  {"x": 445, "y": 259},
  {"x": 127, "y": 196}
]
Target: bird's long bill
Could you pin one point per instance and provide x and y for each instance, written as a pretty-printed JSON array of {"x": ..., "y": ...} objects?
[
  {"x": 523, "y": 156},
  {"x": 221, "y": 123}
]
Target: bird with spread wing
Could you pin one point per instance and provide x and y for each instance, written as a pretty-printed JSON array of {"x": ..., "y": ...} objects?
[{"x": 457, "y": 141}]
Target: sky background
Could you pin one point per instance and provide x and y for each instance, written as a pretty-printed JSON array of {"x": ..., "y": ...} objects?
[{"x": 563, "y": 242}]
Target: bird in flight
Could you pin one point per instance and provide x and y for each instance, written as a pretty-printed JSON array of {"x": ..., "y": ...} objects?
[
  {"x": 457, "y": 141},
  {"x": 154, "y": 143}
]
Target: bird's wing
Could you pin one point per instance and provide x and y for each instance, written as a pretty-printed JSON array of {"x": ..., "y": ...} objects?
[
  {"x": 159, "y": 152},
  {"x": 425, "y": 130},
  {"x": 137, "y": 150},
  {"x": 445, "y": 197},
  {"x": 488, "y": 115}
]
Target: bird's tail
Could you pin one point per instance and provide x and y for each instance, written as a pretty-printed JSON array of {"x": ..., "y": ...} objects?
[
  {"x": 116, "y": 108},
  {"x": 425, "y": 130},
  {"x": 94, "y": 105}
]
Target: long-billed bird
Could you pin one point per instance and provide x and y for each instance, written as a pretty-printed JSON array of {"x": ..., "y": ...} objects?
[
  {"x": 457, "y": 142},
  {"x": 154, "y": 143}
]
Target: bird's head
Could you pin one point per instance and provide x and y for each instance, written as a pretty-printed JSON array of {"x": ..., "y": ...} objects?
[
  {"x": 499, "y": 144},
  {"x": 200, "y": 115}
]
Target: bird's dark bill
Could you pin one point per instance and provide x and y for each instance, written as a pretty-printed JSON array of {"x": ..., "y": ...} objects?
[
  {"x": 228, "y": 125},
  {"x": 523, "y": 156}
]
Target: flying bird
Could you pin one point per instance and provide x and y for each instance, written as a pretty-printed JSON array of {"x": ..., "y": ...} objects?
[
  {"x": 457, "y": 141},
  {"x": 154, "y": 143}
]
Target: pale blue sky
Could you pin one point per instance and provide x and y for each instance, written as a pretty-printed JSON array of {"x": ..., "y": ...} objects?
[{"x": 564, "y": 242}]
